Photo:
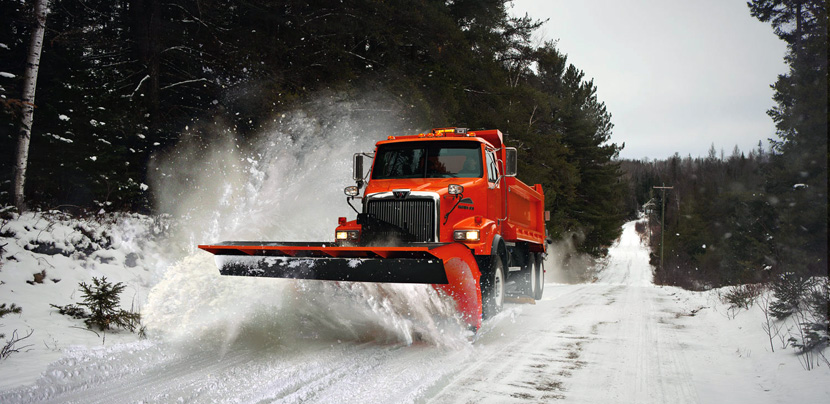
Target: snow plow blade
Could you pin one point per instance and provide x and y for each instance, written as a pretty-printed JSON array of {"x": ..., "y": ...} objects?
[{"x": 450, "y": 268}]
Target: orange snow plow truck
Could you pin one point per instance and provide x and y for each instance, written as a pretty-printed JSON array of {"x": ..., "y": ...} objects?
[{"x": 441, "y": 208}]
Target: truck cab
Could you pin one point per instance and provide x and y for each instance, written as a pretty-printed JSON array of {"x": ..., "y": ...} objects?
[
  {"x": 449, "y": 186},
  {"x": 439, "y": 187}
]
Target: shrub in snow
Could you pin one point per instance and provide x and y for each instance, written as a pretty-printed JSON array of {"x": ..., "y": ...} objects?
[
  {"x": 788, "y": 290},
  {"x": 806, "y": 301},
  {"x": 8, "y": 310},
  {"x": 742, "y": 296},
  {"x": 812, "y": 318},
  {"x": 102, "y": 301},
  {"x": 770, "y": 327},
  {"x": 10, "y": 346}
]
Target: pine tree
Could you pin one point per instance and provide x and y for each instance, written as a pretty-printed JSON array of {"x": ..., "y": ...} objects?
[
  {"x": 586, "y": 187},
  {"x": 103, "y": 300},
  {"x": 798, "y": 173}
]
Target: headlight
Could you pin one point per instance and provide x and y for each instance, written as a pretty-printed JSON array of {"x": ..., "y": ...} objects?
[
  {"x": 351, "y": 191},
  {"x": 347, "y": 235},
  {"x": 465, "y": 235}
]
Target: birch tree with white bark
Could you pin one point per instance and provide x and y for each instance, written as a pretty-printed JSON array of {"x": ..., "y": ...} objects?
[{"x": 28, "y": 99}]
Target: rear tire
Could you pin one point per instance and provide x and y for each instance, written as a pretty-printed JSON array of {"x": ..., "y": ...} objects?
[
  {"x": 492, "y": 289},
  {"x": 532, "y": 278},
  {"x": 539, "y": 274}
]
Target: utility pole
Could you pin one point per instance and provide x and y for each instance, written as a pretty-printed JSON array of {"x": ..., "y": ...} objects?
[{"x": 662, "y": 219}]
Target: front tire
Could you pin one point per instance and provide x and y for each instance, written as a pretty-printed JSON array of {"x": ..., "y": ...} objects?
[{"x": 492, "y": 289}]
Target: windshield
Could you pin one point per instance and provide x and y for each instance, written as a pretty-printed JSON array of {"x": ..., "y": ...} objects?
[{"x": 428, "y": 160}]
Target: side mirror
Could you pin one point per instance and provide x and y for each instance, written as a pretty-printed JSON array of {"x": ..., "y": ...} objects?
[
  {"x": 511, "y": 161},
  {"x": 357, "y": 173}
]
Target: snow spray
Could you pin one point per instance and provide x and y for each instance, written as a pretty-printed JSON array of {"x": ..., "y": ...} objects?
[
  {"x": 283, "y": 185},
  {"x": 564, "y": 264}
]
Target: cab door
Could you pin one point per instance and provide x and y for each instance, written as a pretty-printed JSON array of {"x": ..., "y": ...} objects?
[{"x": 495, "y": 204}]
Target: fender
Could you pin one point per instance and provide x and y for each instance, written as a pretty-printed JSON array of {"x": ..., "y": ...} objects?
[
  {"x": 495, "y": 249},
  {"x": 497, "y": 246}
]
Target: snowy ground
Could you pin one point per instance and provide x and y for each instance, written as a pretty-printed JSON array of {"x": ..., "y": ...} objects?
[{"x": 213, "y": 339}]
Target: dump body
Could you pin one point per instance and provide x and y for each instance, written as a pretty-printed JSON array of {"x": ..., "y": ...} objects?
[
  {"x": 525, "y": 214},
  {"x": 442, "y": 208}
]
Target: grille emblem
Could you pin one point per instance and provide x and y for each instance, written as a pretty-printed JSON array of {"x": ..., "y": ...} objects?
[{"x": 400, "y": 193}]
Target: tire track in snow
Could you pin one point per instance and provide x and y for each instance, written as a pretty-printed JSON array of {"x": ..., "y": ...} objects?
[
  {"x": 527, "y": 362},
  {"x": 620, "y": 349},
  {"x": 131, "y": 377},
  {"x": 643, "y": 363}
]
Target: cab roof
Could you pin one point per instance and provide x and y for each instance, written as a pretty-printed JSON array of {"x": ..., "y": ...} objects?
[{"x": 492, "y": 136}]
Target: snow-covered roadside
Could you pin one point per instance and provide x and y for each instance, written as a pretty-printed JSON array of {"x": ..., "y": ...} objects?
[
  {"x": 730, "y": 354},
  {"x": 45, "y": 257},
  {"x": 666, "y": 344}
]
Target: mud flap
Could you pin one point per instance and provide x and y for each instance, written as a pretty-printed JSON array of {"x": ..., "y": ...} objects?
[{"x": 450, "y": 268}]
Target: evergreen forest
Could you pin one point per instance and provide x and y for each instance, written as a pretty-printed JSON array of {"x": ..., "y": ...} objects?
[
  {"x": 750, "y": 216},
  {"x": 121, "y": 80}
]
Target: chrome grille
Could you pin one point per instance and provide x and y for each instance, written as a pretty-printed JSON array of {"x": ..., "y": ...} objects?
[{"x": 416, "y": 216}]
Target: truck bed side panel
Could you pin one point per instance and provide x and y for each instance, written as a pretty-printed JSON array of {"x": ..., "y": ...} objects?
[{"x": 525, "y": 213}]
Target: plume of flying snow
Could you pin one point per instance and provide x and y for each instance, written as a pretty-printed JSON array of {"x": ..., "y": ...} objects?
[
  {"x": 564, "y": 264},
  {"x": 285, "y": 185}
]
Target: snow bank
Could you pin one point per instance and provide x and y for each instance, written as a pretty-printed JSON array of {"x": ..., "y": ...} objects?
[
  {"x": 47, "y": 254},
  {"x": 731, "y": 355}
]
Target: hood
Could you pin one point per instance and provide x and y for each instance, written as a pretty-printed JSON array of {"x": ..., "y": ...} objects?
[{"x": 437, "y": 185}]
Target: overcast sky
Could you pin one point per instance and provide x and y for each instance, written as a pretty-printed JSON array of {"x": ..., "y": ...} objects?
[{"x": 677, "y": 76}]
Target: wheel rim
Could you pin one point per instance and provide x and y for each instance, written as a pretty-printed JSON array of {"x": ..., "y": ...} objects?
[{"x": 541, "y": 280}]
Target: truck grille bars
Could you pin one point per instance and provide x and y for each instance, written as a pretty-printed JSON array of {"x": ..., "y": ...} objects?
[{"x": 415, "y": 216}]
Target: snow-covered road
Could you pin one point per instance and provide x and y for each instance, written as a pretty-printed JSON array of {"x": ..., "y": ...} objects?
[
  {"x": 608, "y": 341},
  {"x": 619, "y": 339}
]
